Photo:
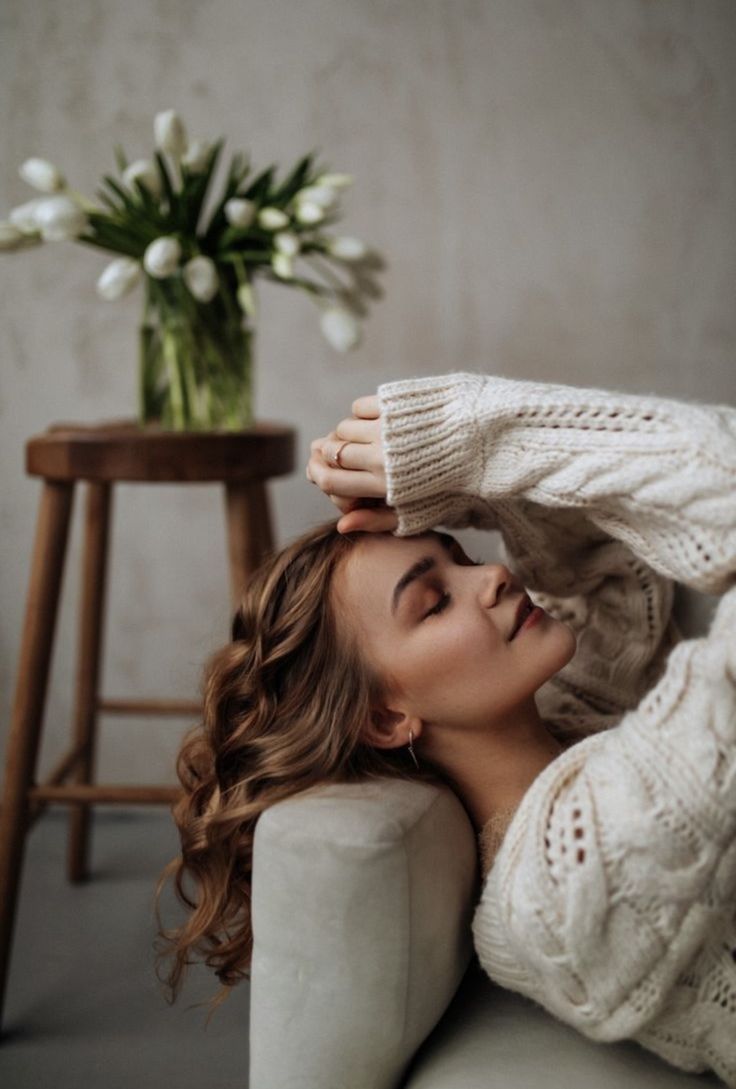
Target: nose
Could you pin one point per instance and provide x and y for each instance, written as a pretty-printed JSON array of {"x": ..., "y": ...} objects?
[{"x": 497, "y": 582}]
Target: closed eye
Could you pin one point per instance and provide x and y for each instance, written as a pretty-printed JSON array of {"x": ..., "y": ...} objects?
[{"x": 442, "y": 602}]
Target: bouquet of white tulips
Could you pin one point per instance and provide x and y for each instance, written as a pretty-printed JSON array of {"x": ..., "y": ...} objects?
[{"x": 198, "y": 264}]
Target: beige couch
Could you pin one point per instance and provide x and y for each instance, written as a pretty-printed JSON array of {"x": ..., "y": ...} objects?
[{"x": 364, "y": 975}]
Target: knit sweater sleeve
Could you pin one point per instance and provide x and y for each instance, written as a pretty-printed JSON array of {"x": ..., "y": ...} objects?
[
  {"x": 611, "y": 901},
  {"x": 602, "y": 499}
]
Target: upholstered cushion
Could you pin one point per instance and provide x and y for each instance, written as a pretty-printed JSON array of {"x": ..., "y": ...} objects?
[
  {"x": 493, "y": 1039},
  {"x": 362, "y": 900}
]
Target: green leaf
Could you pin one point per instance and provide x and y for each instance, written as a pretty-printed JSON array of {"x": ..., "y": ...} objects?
[
  {"x": 260, "y": 187},
  {"x": 231, "y": 236},
  {"x": 168, "y": 188},
  {"x": 239, "y": 168},
  {"x": 218, "y": 220},
  {"x": 125, "y": 198},
  {"x": 295, "y": 181},
  {"x": 136, "y": 232},
  {"x": 234, "y": 257},
  {"x": 197, "y": 187},
  {"x": 112, "y": 244},
  {"x": 120, "y": 158},
  {"x": 107, "y": 199},
  {"x": 150, "y": 208}
]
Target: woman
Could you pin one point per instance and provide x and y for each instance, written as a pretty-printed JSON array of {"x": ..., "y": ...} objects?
[{"x": 610, "y": 853}]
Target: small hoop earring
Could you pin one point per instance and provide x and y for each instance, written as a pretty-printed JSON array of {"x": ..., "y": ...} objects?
[{"x": 411, "y": 750}]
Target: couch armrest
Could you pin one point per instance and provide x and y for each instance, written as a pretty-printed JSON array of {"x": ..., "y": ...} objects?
[{"x": 362, "y": 901}]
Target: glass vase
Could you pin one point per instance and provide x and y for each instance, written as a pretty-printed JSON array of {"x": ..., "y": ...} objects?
[{"x": 196, "y": 361}]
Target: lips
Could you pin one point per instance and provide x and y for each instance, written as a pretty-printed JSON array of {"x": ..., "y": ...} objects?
[{"x": 524, "y": 607}]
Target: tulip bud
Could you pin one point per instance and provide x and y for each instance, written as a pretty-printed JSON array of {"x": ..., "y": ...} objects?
[
  {"x": 42, "y": 175},
  {"x": 335, "y": 181},
  {"x": 321, "y": 195},
  {"x": 59, "y": 218},
  {"x": 169, "y": 133},
  {"x": 287, "y": 242},
  {"x": 282, "y": 266},
  {"x": 246, "y": 300},
  {"x": 240, "y": 212},
  {"x": 346, "y": 248},
  {"x": 309, "y": 212},
  {"x": 11, "y": 237},
  {"x": 200, "y": 276},
  {"x": 161, "y": 258},
  {"x": 196, "y": 156},
  {"x": 118, "y": 278},
  {"x": 340, "y": 328},
  {"x": 24, "y": 216},
  {"x": 146, "y": 174},
  {"x": 272, "y": 219}
]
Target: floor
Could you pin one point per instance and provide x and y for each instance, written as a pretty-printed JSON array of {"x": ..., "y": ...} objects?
[{"x": 83, "y": 1005}]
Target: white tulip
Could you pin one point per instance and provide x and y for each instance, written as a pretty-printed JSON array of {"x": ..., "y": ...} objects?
[
  {"x": 200, "y": 276},
  {"x": 282, "y": 266},
  {"x": 272, "y": 219},
  {"x": 24, "y": 216},
  {"x": 322, "y": 195},
  {"x": 336, "y": 181},
  {"x": 162, "y": 257},
  {"x": 169, "y": 133},
  {"x": 340, "y": 328},
  {"x": 287, "y": 242},
  {"x": 308, "y": 212},
  {"x": 347, "y": 248},
  {"x": 118, "y": 278},
  {"x": 11, "y": 237},
  {"x": 246, "y": 300},
  {"x": 146, "y": 174},
  {"x": 196, "y": 155},
  {"x": 240, "y": 212},
  {"x": 42, "y": 175},
  {"x": 59, "y": 218}
]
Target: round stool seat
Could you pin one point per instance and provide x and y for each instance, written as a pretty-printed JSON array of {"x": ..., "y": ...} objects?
[{"x": 123, "y": 451}]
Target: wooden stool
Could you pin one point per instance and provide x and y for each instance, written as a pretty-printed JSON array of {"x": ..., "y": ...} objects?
[{"x": 102, "y": 456}]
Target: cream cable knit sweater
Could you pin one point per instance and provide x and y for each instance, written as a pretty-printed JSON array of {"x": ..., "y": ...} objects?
[{"x": 612, "y": 900}]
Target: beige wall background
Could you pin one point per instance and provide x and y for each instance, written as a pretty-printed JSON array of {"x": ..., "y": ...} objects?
[{"x": 552, "y": 183}]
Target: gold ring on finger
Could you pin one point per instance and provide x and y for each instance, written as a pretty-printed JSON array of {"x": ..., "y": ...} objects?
[{"x": 335, "y": 459}]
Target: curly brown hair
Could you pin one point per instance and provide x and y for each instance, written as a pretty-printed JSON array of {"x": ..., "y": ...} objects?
[{"x": 285, "y": 707}]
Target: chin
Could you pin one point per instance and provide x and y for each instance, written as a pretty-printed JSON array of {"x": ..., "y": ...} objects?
[{"x": 566, "y": 645}]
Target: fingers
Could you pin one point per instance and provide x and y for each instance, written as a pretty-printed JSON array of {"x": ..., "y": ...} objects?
[
  {"x": 367, "y": 408},
  {"x": 381, "y": 519},
  {"x": 337, "y": 451},
  {"x": 366, "y": 431},
  {"x": 348, "y": 464},
  {"x": 351, "y": 455},
  {"x": 344, "y": 505},
  {"x": 345, "y": 483}
]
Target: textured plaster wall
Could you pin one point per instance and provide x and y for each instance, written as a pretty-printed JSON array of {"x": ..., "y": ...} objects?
[{"x": 553, "y": 184}]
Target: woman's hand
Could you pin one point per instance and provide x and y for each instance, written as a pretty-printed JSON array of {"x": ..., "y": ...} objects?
[{"x": 348, "y": 465}]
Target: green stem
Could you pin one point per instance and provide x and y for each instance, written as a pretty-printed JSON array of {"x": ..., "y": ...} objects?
[
  {"x": 178, "y": 412},
  {"x": 315, "y": 261},
  {"x": 84, "y": 202},
  {"x": 195, "y": 359}
]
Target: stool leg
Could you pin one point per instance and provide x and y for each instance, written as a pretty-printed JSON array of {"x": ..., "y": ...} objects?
[
  {"x": 94, "y": 569},
  {"x": 249, "y": 532},
  {"x": 52, "y": 532}
]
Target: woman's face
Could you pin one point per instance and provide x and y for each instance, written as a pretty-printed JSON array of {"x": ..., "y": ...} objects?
[{"x": 437, "y": 629}]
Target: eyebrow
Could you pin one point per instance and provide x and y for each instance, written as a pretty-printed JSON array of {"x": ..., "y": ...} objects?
[{"x": 421, "y": 567}]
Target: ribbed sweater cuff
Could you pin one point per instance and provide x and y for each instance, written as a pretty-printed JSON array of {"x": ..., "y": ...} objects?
[{"x": 429, "y": 439}]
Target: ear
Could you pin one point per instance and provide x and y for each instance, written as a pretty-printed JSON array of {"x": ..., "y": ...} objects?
[{"x": 389, "y": 728}]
